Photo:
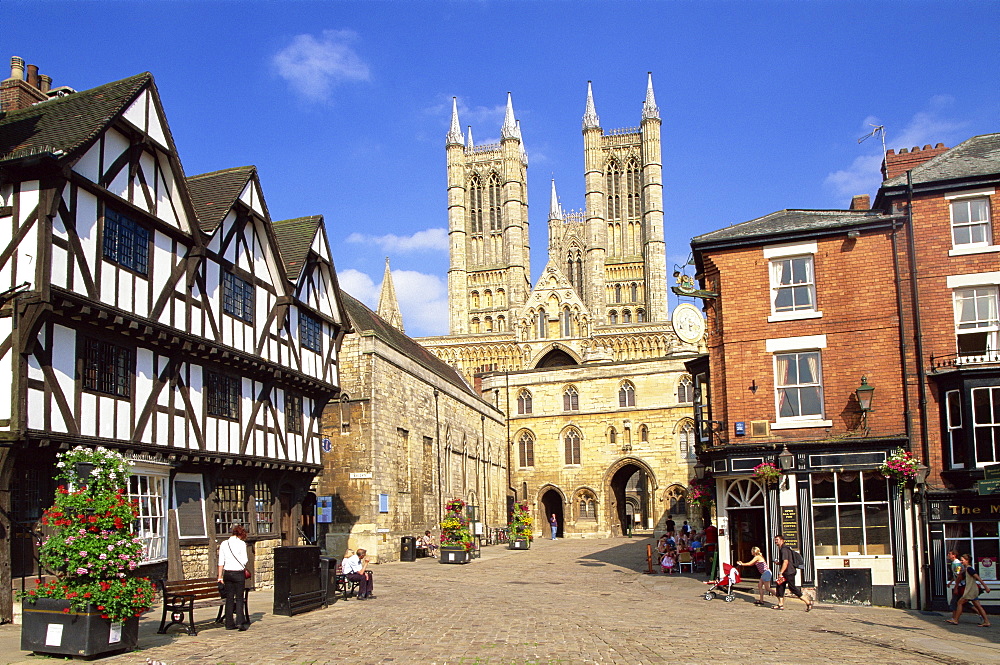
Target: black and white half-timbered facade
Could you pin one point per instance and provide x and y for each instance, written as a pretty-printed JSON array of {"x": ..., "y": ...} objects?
[{"x": 164, "y": 316}]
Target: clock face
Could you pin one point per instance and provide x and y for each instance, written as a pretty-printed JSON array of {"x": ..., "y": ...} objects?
[{"x": 688, "y": 323}]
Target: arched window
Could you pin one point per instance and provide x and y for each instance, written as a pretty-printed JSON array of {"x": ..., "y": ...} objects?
[
  {"x": 475, "y": 325},
  {"x": 618, "y": 293},
  {"x": 572, "y": 444},
  {"x": 526, "y": 450},
  {"x": 447, "y": 467},
  {"x": 476, "y": 206},
  {"x": 633, "y": 188},
  {"x": 635, "y": 292},
  {"x": 612, "y": 436},
  {"x": 640, "y": 315},
  {"x": 543, "y": 322},
  {"x": 496, "y": 201},
  {"x": 586, "y": 507},
  {"x": 524, "y": 403},
  {"x": 571, "y": 400},
  {"x": 475, "y": 300},
  {"x": 501, "y": 298},
  {"x": 501, "y": 324},
  {"x": 489, "y": 323},
  {"x": 626, "y": 394},
  {"x": 685, "y": 390},
  {"x": 685, "y": 439},
  {"x": 613, "y": 188},
  {"x": 676, "y": 498},
  {"x": 643, "y": 433},
  {"x": 488, "y": 298},
  {"x": 626, "y": 316},
  {"x": 567, "y": 330},
  {"x": 613, "y": 317}
]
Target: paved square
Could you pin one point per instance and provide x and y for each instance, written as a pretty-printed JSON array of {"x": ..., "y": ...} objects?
[{"x": 568, "y": 601}]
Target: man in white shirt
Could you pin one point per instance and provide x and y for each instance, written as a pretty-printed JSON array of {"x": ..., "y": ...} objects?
[{"x": 355, "y": 568}]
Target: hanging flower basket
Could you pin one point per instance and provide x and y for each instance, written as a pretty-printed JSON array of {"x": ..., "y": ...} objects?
[
  {"x": 93, "y": 555},
  {"x": 767, "y": 473},
  {"x": 901, "y": 467},
  {"x": 701, "y": 493}
]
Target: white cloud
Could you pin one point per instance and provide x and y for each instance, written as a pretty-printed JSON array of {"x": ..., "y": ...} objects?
[
  {"x": 427, "y": 240},
  {"x": 484, "y": 118},
  {"x": 423, "y": 298},
  {"x": 925, "y": 127},
  {"x": 359, "y": 285},
  {"x": 313, "y": 66}
]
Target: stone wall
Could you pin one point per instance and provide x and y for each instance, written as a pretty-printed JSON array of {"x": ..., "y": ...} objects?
[{"x": 194, "y": 562}]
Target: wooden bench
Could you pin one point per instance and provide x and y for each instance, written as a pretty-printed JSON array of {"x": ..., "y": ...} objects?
[
  {"x": 182, "y": 597},
  {"x": 344, "y": 587}
]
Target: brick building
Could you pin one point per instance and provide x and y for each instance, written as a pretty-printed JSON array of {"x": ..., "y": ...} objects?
[{"x": 805, "y": 308}]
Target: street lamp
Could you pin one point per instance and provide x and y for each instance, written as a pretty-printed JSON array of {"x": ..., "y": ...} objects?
[
  {"x": 786, "y": 460},
  {"x": 699, "y": 470},
  {"x": 865, "y": 393}
]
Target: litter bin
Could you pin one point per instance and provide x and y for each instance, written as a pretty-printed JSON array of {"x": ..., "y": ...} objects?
[
  {"x": 408, "y": 549},
  {"x": 328, "y": 575}
]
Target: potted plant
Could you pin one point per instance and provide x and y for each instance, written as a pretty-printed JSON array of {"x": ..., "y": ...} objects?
[
  {"x": 901, "y": 467},
  {"x": 519, "y": 529},
  {"x": 767, "y": 473},
  {"x": 701, "y": 492},
  {"x": 93, "y": 605},
  {"x": 456, "y": 539}
]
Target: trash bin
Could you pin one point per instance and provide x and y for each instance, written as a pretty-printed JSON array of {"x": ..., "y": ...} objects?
[
  {"x": 408, "y": 549},
  {"x": 328, "y": 575}
]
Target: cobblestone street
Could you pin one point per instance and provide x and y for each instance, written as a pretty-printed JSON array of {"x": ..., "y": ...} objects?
[{"x": 573, "y": 601}]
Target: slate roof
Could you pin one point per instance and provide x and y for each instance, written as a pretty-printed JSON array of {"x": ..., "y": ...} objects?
[
  {"x": 295, "y": 237},
  {"x": 66, "y": 124},
  {"x": 213, "y": 194},
  {"x": 365, "y": 321},
  {"x": 788, "y": 222},
  {"x": 978, "y": 156}
]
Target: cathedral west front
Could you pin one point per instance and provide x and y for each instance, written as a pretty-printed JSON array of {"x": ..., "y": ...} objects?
[{"x": 585, "y": 362}]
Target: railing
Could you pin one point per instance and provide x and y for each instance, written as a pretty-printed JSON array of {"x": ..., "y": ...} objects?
[
  {"x": 37, "y": 537},
  {"x": 496, "y": 536},
  {"x": 953, "y": 360}
]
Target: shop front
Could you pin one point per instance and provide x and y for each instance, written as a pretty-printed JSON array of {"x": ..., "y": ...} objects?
[{"x": 970, "y": 524}]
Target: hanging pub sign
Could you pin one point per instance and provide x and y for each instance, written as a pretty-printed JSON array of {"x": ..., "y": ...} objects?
[{"x": 790, "y": 526}]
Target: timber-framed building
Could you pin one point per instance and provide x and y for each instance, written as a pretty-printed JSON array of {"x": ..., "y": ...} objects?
[{"x": 164, "y": 316}]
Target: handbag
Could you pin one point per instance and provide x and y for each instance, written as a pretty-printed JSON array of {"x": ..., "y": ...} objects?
[
  {"x": 246, "y": 573},
  {"x": 222, "y": 590}
]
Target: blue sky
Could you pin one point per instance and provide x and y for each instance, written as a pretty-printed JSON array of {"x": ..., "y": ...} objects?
[{"x": 344, "y": 106}]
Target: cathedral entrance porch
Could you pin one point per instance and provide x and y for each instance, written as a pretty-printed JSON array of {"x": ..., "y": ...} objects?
[{"x": 630, "y": 486}]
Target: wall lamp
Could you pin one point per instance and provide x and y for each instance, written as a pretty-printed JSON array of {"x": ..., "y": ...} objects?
[
  {"x": 865, "y": 394},
  {"x": 699, "y": 470},
  {"x": 786, "y": 460}
]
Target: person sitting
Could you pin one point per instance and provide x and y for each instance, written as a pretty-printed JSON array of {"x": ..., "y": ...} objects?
[
  {"x": 429, "y": 543},
  {"x": 355, "y": 568},
  {"x": 661, "y": 544},
  {"x": 696, "y": 542}
]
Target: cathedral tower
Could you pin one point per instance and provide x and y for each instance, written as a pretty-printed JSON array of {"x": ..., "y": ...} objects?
[{"x": 488, "y": 227}]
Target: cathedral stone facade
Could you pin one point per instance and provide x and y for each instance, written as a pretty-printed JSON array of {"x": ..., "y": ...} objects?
[{"x": 585, "y": 363}]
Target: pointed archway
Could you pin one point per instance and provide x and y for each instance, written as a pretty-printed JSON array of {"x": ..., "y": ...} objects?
[
  {"x": 631, "y": 486},
  {"x": 551, "y": 502}
]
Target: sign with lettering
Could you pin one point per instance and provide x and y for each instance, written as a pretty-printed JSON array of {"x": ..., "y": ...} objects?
[
  {"x": 991, "y": 472},
  {"x": 360, "y": 475},
  {"x": 790, "y": 526},
  {"x": 324, "y": 509},
  {"x": 987, "y": 487}
]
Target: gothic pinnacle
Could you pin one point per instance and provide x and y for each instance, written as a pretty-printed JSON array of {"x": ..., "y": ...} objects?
[
  {"x": 555, "y": 210},
  {"x": 509, "y": 128},
  {"x": 455, "y": 133},
  {"x": 590, "y": 119},
  {"x": 649, "y": 108},
  {"x": 468, "y": 141}
]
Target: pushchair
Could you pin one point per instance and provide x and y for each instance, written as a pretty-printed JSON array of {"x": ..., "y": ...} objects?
[{"x": 730, "y": 576}]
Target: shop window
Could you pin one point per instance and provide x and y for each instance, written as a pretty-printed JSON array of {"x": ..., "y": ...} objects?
[
  {"x": 981, "y": 540},
  {"x": 850, "y": 513},
  {"x": 986, "y": 424},
  {"x": 231, "y": 506},
  {"x": 956, "y": 433},
  {"x": 263, "y": 506},
  {"x": 150, "y": 526}
]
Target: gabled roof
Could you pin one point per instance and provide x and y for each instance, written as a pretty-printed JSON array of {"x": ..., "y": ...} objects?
[
  {"x": 777, "y": 225},
  {"x": 365, "y": 321},
  {"x": 66, "y": 125},
  {"x": 975, "y": 157},
  {"x": 213, "y": 194},
  {"x": 295, "y": 237}
]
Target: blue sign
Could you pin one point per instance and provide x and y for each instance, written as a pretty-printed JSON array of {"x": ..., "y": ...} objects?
[
  {"x": 327, "y": 446},
  {"x": 741, "y": 428}
]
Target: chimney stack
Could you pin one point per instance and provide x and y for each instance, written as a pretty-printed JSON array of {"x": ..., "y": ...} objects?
[
  {"x": 861, "y": 202},
  {"x": 16, "y": 93},
  {"x": 899, "y": 163}
]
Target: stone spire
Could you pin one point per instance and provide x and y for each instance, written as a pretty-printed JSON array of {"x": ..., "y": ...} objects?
[
  {"x": 590, "y": 119},
  {"x": 509, "y": 129},
  {"x": 555, "y": 210},
  {"x": 455, "y": 133},
  {"x": 388, "y": 306},
  {"x": 649, "y": 108},
  {"x": 517, "y": 135},
  {"x": 468, "y": 142}
]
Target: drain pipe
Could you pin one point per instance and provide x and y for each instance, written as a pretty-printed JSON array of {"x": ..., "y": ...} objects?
[{"x": 437, "y": 435}]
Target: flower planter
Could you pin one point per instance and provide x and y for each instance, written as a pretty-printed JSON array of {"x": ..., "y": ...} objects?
[
  {"x": 47, "y": 627},
  {"x": 520, "y": 544},
  {"x": 454, "y": 555}
]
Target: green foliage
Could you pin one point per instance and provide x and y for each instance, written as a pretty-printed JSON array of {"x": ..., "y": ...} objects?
[
  {"x": 520, "y": 527},
  {"x": 92, "y": 550}
]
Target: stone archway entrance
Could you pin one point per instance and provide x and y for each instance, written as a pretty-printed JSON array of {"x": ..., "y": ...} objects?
[
  {"x": 552, "y": 502},
  {"x": 630, "y": 486}
]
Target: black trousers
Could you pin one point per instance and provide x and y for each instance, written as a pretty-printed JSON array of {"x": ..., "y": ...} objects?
[
  {"x": 789, "y": 583},
  {"x": 235, "y": 586},
  {"x": 364, "y": 581}
]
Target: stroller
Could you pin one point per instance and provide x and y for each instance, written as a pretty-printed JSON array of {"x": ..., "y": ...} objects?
[{"x": 730, "y": 576}]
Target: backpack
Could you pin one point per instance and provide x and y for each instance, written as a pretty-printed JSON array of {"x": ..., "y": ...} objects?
[{"x": 797, "y": 559}]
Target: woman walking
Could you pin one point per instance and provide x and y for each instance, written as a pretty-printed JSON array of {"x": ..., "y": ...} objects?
[
  {"x": 765, "y": 574},
  {"x": 233, "y": 574},
  {"x": 972, "y": 584}
]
